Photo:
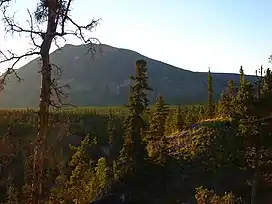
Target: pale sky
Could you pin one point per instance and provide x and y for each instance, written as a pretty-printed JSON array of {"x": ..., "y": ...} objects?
[{"x": 190, "y": 34}]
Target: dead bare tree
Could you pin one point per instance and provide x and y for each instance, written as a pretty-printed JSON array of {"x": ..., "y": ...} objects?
[{"x": 55, "y": 15}]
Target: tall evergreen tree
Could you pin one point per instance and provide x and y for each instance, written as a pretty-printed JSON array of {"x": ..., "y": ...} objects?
[
  {"x": 259, "y": 144},
  {"x": 227, "y": 100},
  {"x": 210, "y": 96},
  {"x": 244, "y": 100},
  {"x": 223, "y": 105},
  {"x": 251, "y": 113},
  {"x": 267, "y": 83},
  {"x": 111, "y": 129},
  {"x": 242, "y": 75},
  {"x": 232, "y": 92},
  {"x": 112, "y": 149},
  {"x": 82, "y": 185},
  {"x": 103, "y": 175},
  {"x": 179, "y": 119},
  {"x": 231, "y": 89},
  {"x": 134, "y": 152},
  {"x": 157, "y": 138}
]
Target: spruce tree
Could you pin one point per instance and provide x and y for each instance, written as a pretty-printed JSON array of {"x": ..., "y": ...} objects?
[
  {"x": 102, "y": 173},
  {"x": 111, "y": 129},
  {"x": 179, "y": 119},
  {"x": 134, "y": 152},
  {"x": 223, "y": 105},
  {"x": 157, "y": 138},
  {"x": 259, "y": 140},
  {"x": 82, "y": 184},
  {"x": 231, "y": 92},
  {"x": 231, "y": 89},
  {"x": 244, "y": 100},
  {"x": 111, "y": 145},
  {"x": 227, "y": 100},
  {"x": 253, "y": 134},
  {"x": 210, "y": 96},
  {"x": 267, "y": 82},
  {"x": 242, "y": 76},
  {"x": 170, "y": 123}
]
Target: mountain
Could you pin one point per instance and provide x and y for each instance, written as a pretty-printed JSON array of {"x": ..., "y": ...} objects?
[{"x": 103, "y": 79}]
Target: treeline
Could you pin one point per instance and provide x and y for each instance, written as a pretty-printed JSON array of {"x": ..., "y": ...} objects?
[{"x": 159, "y": 155}]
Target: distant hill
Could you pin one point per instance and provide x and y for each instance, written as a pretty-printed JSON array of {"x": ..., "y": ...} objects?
[{"x": 103, "y": 80}]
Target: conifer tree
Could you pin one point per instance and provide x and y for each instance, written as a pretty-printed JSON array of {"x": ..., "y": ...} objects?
[
  {"x": 231, "y": 92},
  {"x": 210, "y": 96},
  {"x": 82, "y": 185},
  {"x": 82, "y": 182},
  {"x": 244, "y": 100},
  {"x": 111, "y": 129},
  {"x": 13, "y": 194},
  {"x": 223, "y": 105},
  {"x": 134, "y": 152},
  {"x": 157, "y": 138},
  {"x": 252, "y": 131},
  {"x": 179, "y": 119},
  {"x": 267, "y": 84},
  {"x": 170, "y": 123},
  {"x": 259, "y": 142},
  {"x": 242, "y": 75},
  {"x": 227, "y": 100},
  {"x": 102, "y": 173},
  {"x": 231, "y": 89},
  {"x": 111, "y": 146}
]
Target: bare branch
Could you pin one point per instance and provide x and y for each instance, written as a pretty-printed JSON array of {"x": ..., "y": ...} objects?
[
  {"x": 15, "y": 59},
  {"x": 11, "y": 26},
  {"x": 56, "y": 43},
  {"x": 55, "y": 14},
  {"x": 57, "y": 90},
  {"x": 65, "y": 16},
  {"x": 79, "y": 30},
  {"x": 2, "y": 2},
  {"x": 32, "y": 28}
]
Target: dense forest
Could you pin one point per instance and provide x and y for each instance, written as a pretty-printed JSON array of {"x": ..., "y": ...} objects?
[{"x": 217, "y": 153}]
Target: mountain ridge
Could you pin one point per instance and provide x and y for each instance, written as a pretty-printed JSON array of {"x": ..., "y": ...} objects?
[{"x": 103, "y": 79}]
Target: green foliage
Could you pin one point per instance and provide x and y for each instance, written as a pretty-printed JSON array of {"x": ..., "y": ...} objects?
[
  {"x": 205, "y": 196},
  {"x": 267, "y": 82},
  {"x": 13, "y": 194},
  {"x": 242, "y": 76},
  {"x": 85, "y": 181},
  {"x": 227, "y": 101},
  {"x": 102, "y": 173},
  {"x": 157, "y": 138},
  {"x": 223, "y": 105},
  {"x": 211, "y": 107},
  {"x": 244, "y": 100},
  {"x": 195, "y": 149},
  {"x": 134, "y": 150},
  {"x": 179, "y": 119}
]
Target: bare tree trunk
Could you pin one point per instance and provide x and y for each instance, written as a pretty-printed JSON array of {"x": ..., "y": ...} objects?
[
  {"x": 56, "y": 13},
  {"x": 38, "y": 165}
]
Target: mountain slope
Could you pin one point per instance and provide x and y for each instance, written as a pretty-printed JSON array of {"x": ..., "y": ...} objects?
[{"x": 104, "y": 79}]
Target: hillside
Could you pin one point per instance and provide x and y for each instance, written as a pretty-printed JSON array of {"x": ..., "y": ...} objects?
[{"x": 104, "y": 79}]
